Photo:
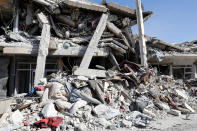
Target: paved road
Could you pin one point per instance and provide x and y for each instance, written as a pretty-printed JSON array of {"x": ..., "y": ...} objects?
[{"x": 174, "y": 123}]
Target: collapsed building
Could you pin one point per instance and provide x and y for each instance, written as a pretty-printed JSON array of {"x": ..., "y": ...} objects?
[
  {"x": 78, "y": 62},
  {"x": 177, "y": 60},
  {"x": 70, "y": 35},
  {"x": 72, "y": 26}
]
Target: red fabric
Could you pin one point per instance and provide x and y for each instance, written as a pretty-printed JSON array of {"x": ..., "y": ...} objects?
[
  {"x": 55, "y": 121},
  {"x": 48, "y": 122},
  {"x": 26, "y": 123},
  {"x": 39, "y": 88},
  {"x": 41, "y": 123}
]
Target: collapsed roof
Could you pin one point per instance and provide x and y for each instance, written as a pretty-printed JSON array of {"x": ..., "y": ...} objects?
[{"x": 73, "y": 23}]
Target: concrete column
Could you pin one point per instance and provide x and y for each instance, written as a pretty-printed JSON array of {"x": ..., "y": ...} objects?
[
  {"x": 16, "y": 20},
  {"x": 171, "y": 70},
  {"x": 143, "y": 51},
  {"x": 12, "y": 77},
  {"x": 194, "y": 74}
]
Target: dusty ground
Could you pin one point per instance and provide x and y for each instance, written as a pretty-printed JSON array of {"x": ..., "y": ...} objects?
[
  {"x": 170, "y": 123},
  {"x": 173, "y": 123}
]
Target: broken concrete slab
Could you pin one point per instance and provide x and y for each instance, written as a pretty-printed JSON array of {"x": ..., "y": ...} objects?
[
  {"x": 49, "y": 111},
  {"x": 92, "y": 73},
  {"x": 77, "y": 105},
  {"x": 188, "y": 107},
  {"x": 100, "y": 109},
  {"x": 114, "y": 7},
  {"x": 5, "y": 105},
  {"x": 17, "y": 117},
  {"x": 111, "y": 113}
]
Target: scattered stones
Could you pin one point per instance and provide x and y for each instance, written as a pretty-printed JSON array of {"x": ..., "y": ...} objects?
[{"x": 127, "y": 124}]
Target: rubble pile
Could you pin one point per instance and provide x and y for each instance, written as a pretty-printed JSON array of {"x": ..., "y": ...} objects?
[{"x": 133, "y": 97}]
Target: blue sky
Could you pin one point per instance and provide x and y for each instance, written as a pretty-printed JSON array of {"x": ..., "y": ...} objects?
[{"x": 174, "y": 21}]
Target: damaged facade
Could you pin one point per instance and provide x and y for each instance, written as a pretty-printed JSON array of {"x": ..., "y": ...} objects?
[
  {"x": 177, "y": 60},
  {"x": 72, "y": 25}
]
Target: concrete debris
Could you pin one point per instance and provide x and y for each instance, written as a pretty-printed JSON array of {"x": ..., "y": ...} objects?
[
  {"x": 75, "y": 65},
  {"x": 5, "y": 105},
  {"x": 139, "y": 119},
  {"x": 127, "y": 124},
  {"x": 181, "y": 93},
  {"x": 49, "y": 110},
  {"x": 17, "y": 117},
  {"x": 111, "y": 113},
  {"x": 77, "y": 105},
  {"x": 100, "y": 109},
  {"x": 62, "y": 105},
  {"x": 163, "y": 106},
  {"x": 188, "y": 107}
]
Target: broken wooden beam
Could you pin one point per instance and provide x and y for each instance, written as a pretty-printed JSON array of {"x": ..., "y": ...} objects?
[
  {"x": 94, "y": 42},
  {"x": 43, "y": 52}
]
